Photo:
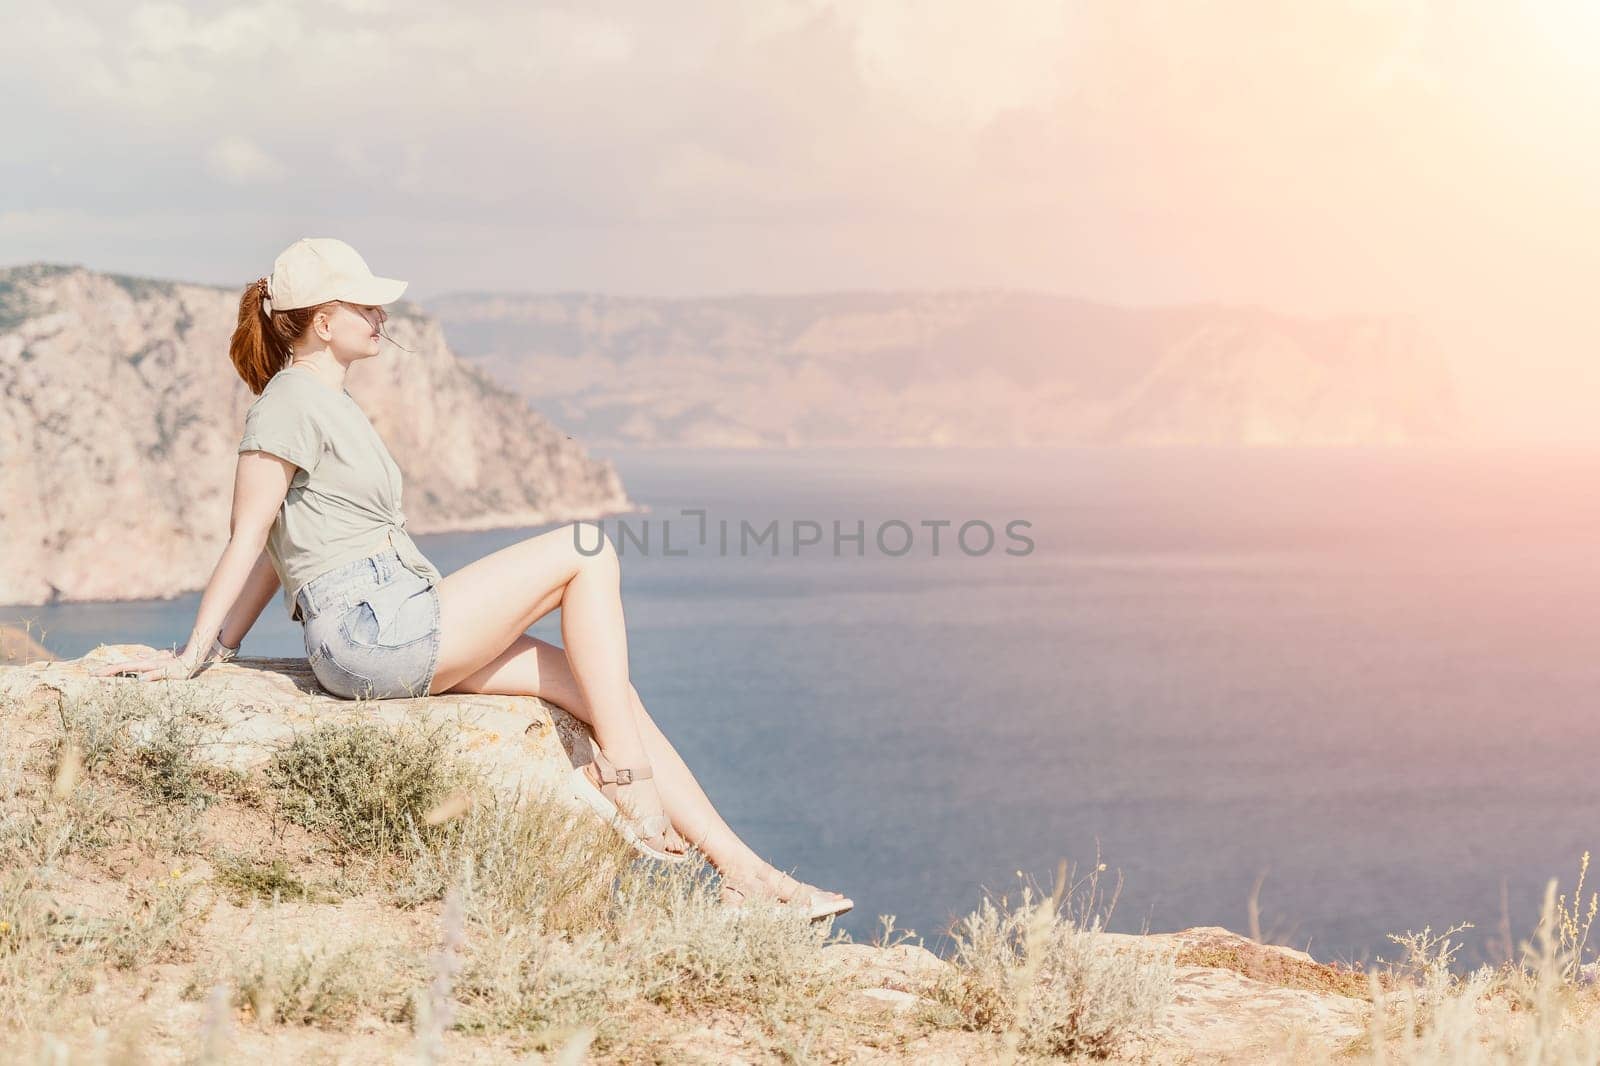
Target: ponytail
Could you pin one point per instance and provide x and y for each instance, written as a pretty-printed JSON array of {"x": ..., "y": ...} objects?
[{"x": 263, "y": 339}]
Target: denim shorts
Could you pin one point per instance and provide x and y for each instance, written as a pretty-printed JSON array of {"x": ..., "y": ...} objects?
[{"x": 371, "y": 628}]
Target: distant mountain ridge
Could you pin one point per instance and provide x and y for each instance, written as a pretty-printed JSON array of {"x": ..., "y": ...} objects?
[
  {"x": 990, "y": 368},
  {"x": 120, "y": 416}
]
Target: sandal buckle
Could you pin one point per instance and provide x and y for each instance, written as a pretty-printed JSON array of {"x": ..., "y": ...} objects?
[{"x": 624, "y": 776}]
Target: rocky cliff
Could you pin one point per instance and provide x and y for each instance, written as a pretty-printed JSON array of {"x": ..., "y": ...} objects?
[
  {"x": 954, "y": 368},
  {"x": 120, "y": 415}
]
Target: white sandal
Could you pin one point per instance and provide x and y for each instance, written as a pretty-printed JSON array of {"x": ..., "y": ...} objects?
[
  {"x": 604, "y": 802},
  {"x": 806, "y": 897}
]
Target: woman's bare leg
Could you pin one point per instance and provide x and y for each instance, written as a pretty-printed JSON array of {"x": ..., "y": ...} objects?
[
  {"x": 536, "y": 667},
  {"x": 487, "y": 604}
]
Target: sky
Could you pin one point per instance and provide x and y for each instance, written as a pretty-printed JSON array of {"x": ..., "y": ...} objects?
[{"x": 1434, "y": 158}]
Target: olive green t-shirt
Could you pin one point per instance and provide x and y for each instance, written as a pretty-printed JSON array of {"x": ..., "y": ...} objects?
[{"x": 343, "y": 502}]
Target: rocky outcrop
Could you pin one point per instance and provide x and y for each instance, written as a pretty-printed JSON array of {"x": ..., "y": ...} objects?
[
  {"x": 120, "y": 415},
  {"x": 1235, "y": 1001},
  {"x": 256, "y": 706},
  {"x": 954, "y": 368}
]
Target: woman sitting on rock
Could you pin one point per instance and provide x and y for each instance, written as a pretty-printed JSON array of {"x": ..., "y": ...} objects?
[{"x": 316, "y": 509}]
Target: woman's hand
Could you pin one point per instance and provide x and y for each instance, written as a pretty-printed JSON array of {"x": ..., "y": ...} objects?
[{"x": 162, "y": 666}]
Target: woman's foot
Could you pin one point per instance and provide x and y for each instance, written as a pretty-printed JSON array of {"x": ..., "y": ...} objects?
[
  {"x": 638, "y": 804},
  {"x": 772, "y": 883}
]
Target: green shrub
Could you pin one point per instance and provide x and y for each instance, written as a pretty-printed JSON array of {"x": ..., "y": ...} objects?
[
  {"x": 367, "y": 786},
  {"x": 246, "y": 878},
  {"x": 146, "y": 735}
]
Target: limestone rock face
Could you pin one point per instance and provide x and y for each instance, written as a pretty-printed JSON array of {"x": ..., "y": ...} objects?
[
  {"x": 256, "y": 706},
  {"x": 120, "y": 416},
  {"x": 1240, "y": 1001}
]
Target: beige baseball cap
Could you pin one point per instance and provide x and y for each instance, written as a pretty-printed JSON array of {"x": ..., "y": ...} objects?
[{"x": 314, "y": 270}]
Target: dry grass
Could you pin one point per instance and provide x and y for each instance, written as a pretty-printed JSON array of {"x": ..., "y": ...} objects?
[
  {"x": 1535, "y": 1012},
  {"x": 368, "y": 882},
  {"x": 287, "y": 982},
  {"x": 567, "y": 931},
  {"x": 529, "y": 862},
  {"x": 1261, "y": 963},
  {"x": 1039, "y": 974},
  {"x": 55, "y": 943}
]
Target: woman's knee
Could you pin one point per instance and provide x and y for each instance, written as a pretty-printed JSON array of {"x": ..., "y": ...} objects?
[{"x": 591, "y": 546}]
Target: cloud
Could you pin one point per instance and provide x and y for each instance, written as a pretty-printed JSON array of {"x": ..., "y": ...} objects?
[
  {"x": 240, "y": 161},
  {"x": 1435, "y": 156},
  {"x": 168, "y": 28},
  {"x": 934, "y": 58},
  {"x": 1370, "y": 154}
]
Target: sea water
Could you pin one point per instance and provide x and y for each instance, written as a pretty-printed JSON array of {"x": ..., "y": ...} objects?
[{"x": 1358, "y": 684}]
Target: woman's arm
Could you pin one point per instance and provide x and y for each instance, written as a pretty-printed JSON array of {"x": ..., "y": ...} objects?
[
  {"x": 258, "y": 591},
  {"x": 260, "y": 483}
]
